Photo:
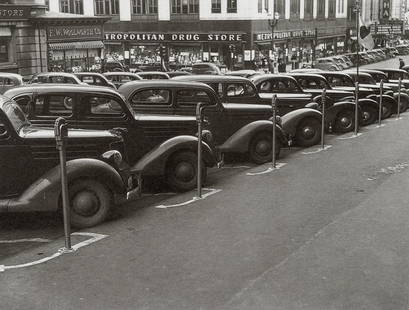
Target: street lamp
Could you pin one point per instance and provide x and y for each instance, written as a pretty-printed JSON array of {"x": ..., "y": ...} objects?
[{"x": 272, "y": 22}]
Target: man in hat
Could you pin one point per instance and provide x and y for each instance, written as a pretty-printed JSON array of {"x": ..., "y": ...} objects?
[{"x": 401, "y": 63}]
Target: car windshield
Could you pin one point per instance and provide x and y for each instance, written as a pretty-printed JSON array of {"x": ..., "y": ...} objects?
[
  {"x": 365, "y": 79},
  {"x": 15, "y": 115},
  {"x": 339, "y": 80}
]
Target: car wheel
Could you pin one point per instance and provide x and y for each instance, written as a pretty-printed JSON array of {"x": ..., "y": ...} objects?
[
  {"x": 260, "y": 148},
  {"x": 369, "y": 115},
  {"x": 345, "y": 121},
  {"x": 90, "y": 202},
  {"x": 386, "y": 110},
  {"x": 181, "y": 171},
  {"x": 404, "y": 105},
  {"x": 308, "y": 132}
]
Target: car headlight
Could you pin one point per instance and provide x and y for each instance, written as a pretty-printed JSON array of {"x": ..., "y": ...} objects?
[{"x": 113, "y": 157}]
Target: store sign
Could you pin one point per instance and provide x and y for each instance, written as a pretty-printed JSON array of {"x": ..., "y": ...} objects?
[
  {"x": 173, "y": 37},
  {"x": 386, "y": 9},
  {"x": 83, "y": 32},
  {"x": 10, "y": 12},
  {"x": 389, "y": 29},
  {"x": 297, "y": 34}
]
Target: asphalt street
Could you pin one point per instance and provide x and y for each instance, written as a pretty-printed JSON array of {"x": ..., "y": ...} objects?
[{"x": 328, "y": 230}]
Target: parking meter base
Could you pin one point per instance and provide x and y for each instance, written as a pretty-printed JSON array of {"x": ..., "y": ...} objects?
[{"x": 65, "y": 250}]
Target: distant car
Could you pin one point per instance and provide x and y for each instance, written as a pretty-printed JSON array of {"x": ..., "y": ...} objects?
[
  {"x": 9, "y": 80},
  {"x": 55, "y": 78},
  {"x": 341, "y": 62},
  {"x": 206, "y": 68},
  {"x": 153, "y": 75},
  {"x": 94, "y": 78},
  {"x": 109, "y": 65},
  {"x": 119, "y": 78},
  {"x": 327, "y": 63},
  {"x": 244, "y": 73},
  {"x": 30, "y": 174}
]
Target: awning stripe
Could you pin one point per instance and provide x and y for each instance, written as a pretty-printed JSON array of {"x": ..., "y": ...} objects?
[{"x": 76, "y": 45}]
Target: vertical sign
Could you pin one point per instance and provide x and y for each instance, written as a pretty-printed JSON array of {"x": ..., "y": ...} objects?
[{"x": 386, "y": 9}]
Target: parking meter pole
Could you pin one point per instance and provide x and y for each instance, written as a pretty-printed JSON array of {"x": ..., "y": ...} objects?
[
  {"x": 199, "y": 120},
  {"x": 273, "y": 142},
  {"x": 380, "y": 103},
  {"x": 61, "y": 132},
  {"x": 356, "y": 109},
  {"x": 399, "y": 90},
  {"x": 323, "y": 100}
]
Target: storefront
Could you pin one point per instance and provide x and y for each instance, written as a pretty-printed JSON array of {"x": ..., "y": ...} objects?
[
  {"x": 183, "y": 49},
  {"x": 73, "y": 42}
]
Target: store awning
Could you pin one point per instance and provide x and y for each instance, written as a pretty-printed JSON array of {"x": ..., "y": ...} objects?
[
  {"x": 5, "y": 32},
  {"x": 76, "y": 45}
]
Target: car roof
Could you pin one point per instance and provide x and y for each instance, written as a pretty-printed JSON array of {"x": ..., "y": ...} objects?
[
  {"x": 89, "y": 73},
  {"x": 306, "y": 74},
  {"x": 265, "y": 77},
  {"x": 55, "y": 74},
  {"x": 59, "y": 88},
  {"x": 113, "y": 73},
  {"x": 11, "y": 75},
  {"x": 152, "y": 72},
  {"x": 393, "y": 70},
  {"x": 360, "y": 73},
  {"x": 372, "y": 71},
  {"x": 210, "y": 78},
  {"x": 129, "y": 87}
]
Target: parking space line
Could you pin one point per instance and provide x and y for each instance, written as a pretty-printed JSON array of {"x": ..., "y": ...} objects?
[
  {"x": 25, "y": 240},
  {"x": 94, "y": 238},
  {"x": 211, "y": 192},
  {"x": 319, "y": 150},
  {"x": 236, "y": 167},
  {"x": 351, "y": 137},
  {"x": 268, "y": 170}
]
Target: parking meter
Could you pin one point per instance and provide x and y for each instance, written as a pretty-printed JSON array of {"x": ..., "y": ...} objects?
[
  {"x": 399, "y": 99},
  {"x": 61, "y": 133},
  {"x": 273, "y": 142},
  {"x": 323, "y": 102},
  {"x": 380, "y": 103},
  {"x": 356, "y": 109},
  {"x": 199, "y": 119}
]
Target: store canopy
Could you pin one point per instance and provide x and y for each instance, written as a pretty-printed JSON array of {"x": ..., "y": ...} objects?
[
  {"x": 76, "y": 45},
  {"x": 5, "y": 32}
]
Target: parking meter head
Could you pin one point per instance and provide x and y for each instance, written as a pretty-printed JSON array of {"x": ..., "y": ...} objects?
[{"x": 60, "y": 128}]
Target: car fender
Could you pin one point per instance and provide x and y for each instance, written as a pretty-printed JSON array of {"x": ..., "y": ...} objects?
[
  {"x": 291, "y": 120},
  {"x": 44, "y": 194},
  {"x": 240, "y": 141},
  {"x": 154, "y": 162},
  {"x": 368, "y": 102},
  {"x": 403, "y": 97},
  {"x": 347, "y": 98},
  {"x": 385, "y": 98}
]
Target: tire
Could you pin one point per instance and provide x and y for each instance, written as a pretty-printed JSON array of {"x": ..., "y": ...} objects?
[
  {"x": 90, "y": 202},
  {"x": 308, "y": 132},
  {"x": 345, "y": 121},
  {"x": 386, "y": 110},
  {"x": 404, "y": 105},
  {"x": 369, "y": 115},
  {"x": 181, "y": 171},
  {"x": 260, "y": 148}
]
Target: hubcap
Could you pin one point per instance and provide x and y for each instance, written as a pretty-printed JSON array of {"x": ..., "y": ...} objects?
[
  {"x": 308, "y": 132},
  {"x": 263, "y": 147},
  {"x": 85, "y": 203},
  {"x": 184, "y": 171},
  {"x": 384, "y": 111},
  {"x": 346, "y": 121},
  {"x": 365, "y": 115}
]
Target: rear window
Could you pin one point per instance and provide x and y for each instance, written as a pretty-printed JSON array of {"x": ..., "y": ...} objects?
[{"x": 151, "y": 97}]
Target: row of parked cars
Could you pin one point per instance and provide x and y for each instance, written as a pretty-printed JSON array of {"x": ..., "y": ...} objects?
[
  {"x": 121, "y": 135},
  {"x": 346, "y": 61}
]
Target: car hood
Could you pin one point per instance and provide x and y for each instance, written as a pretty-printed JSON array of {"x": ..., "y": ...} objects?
[
  {"x": 34, "y": 132},
  {"x": 164, "y": 118},
  {"x": 247, "y": 107},
  {"x": 305, "y": 96}
]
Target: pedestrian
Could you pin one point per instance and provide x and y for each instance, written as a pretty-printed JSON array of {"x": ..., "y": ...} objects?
[
  {"x": 401, "y": 63},
  {"x": 281, "y": 66}
]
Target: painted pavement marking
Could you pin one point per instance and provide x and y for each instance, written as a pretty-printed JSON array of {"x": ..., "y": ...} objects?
[
  {"x": 25, "y": 240},
  {"x": 268, "y": 170},
  {"x": 319, "y": 150},
  {"x": 351, "y": 137},
  {"x": 211, "y": 192}
]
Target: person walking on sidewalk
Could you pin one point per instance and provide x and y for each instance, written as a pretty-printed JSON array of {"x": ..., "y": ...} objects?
[{"x": 401, "y": 63}]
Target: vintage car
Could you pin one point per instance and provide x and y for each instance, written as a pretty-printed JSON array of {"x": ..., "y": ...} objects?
[
  {"x": 236, "y": 128},
  {"x": 119, "y": 78},
  {"x": 244, "y": 73},
  {"x": 336, "y": 99},
  {"x": 157, "y": 145},
  {"x": 9, "y": 80},
  {"x": 389, "y": 104},
  {"x": 54, "y": 77},
  {"x": 30, "y": 180},
  {"x": 153, "y": 75},
  {"x": 301, "y": 127},
  {"x": 94, "y": 78},
  {"x": 206, "y": 68},
  {"x": 394, "y": 75},
  {"x": 173, "y": 74},
  {"x": 327, "y": 63}
]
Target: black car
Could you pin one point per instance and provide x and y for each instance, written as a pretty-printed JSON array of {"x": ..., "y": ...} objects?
[
  {"x": 30, "y": 175},
  {"x": 119, "y": 78},
  {"x": 157, "y": 145},
  {"x": 303, "y": 127}
]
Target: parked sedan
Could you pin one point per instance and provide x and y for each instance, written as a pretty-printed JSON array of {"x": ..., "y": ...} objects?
[
  {"x": 157, "y": 145},
  {"x": 94, "y": 78},
  {"x": 303, "y": 127},
  {"x": 30, "y": 173},
  {"x": 119, "y": 78},
  {"x": 55, "y": 78}
]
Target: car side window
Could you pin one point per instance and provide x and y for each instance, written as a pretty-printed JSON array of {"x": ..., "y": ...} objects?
[
  {"x": 101, "y": 105},
  {"x": 9, "y": 82},
  {"x": 88, "y": 79},
  {"x": 188, "y": 97},
  {"x": 151, "y": 97},
  {"x": 99, "y": 81},
  {"x": 46, "y": 105}
]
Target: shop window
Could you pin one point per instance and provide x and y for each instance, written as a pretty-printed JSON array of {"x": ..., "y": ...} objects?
[
  {"x": 191, "y": 97},
  {"x": 266, "y": 5},
  {"x": 231, "y": 6},
  {"x": 106, "y": 7},
  {"x": 279, "y": 7},
  {"x": 72, "y": 6},
  {"x": 260, "y": 6},
  {"x": 295, "y": 9},
  {"x": 151, "y": 97},
  {"x": 308, "y": 9},
  {"x": 331, "y": 8},
  {"x": 141, "y": 7},
  {"x": 185, "y": 6},
  {"x": 4, "y": 49},
  {"x": 321, "y": 9},
  {"x": 216, "y": 6}
]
